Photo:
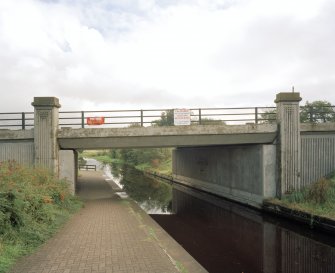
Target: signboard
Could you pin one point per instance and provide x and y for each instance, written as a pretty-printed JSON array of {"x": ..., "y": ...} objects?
[
  {"x": 182, "y": 116},
  {"x": 95, "y": 121}
]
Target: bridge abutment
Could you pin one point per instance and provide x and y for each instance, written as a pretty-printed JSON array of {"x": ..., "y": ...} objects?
[{"x": 244, "y": 173}]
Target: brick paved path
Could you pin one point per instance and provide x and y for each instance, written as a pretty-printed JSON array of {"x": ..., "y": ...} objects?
[{"x": 108, "y": 235}]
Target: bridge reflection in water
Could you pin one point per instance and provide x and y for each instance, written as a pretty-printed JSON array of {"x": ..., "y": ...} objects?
[{"x": 226, "y": 237}]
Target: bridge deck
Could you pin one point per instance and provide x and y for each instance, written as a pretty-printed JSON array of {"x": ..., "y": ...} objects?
[{"x": 173, "y": 136}]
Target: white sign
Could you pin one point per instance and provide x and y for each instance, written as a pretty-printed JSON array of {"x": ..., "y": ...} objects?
[{"x": 182, "y": 116}]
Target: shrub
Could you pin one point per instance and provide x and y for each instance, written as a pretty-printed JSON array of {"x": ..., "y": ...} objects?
[
  {"x": 33, "y": 203},
  {"x": 320, "y": 191}
]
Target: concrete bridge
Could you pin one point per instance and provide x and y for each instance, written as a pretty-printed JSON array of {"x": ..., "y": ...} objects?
[{"x": 247, "y": 163}]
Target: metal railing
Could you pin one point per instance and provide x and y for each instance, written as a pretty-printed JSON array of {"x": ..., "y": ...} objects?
[
  {"x": 17, "y": 120},
  {"x": 87, "y": 167},
  {"x": 155, "y": 117}
]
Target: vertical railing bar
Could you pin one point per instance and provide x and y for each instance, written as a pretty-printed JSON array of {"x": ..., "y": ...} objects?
[
  {"x": 256, "y": 115},
  {"x": 199, "y": 116},
  {"x": 141, "y": 118},
  {"x": 82, "y": 119},
  {"x": 23, "y": 121}
]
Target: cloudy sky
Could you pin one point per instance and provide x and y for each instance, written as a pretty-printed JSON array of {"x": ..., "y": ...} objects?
[{"x": 121, "y": 54}]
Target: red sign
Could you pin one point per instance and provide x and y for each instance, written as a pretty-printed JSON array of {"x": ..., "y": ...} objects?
[{"x": 95, "y": 121}]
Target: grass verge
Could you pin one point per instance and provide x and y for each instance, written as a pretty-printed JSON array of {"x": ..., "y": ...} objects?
[
  {"x": 33, "y": 205},
  {"x": 316, "y": 199}
]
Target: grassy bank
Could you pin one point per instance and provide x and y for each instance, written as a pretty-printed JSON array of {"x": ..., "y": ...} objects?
[
  {"x": 317, "y": 199},
  {"x": 33, "y": 205}
]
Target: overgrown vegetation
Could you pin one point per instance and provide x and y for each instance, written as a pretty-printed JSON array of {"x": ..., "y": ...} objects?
[
  {"x": 317, "y": 199},
  {"x": 153, "y": 159},
  {"x": 33, "y": 204},
  {"x": 319, "y": 111}
]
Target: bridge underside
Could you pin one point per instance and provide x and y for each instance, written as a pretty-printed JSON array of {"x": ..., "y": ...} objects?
[{"x": 182, "y": 136}]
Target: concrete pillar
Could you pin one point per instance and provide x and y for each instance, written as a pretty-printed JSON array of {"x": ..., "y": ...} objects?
[
  {"x": 289, "y": 149},
  {"x": 45, "y": 133},
  {"x": 67, "y": 168}
]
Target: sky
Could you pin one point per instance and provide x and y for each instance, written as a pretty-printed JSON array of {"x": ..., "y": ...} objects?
[{"x": 142, "y": 54}]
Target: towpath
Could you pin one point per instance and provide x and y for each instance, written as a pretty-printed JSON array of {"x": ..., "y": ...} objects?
[{"x": 108, "y": 235}]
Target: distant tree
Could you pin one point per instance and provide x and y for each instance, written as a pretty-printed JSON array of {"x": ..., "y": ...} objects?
[
  {"x": 317, "y": 112},
  {"x": 210, "y": 121},
  {"x": 269, "y": 116},
  {"x": 166, "y": 119}
]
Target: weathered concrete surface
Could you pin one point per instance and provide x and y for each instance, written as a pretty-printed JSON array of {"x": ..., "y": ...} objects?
[
  {"x": 22, "y": 152},
  {"x": 109, "y": 235},
  {"x": 171, "y": 136},
  {"x": 68, "y": 168},
  {"x": 317, "y": 156},
  {"x": 245, "y": 173},
  {"x": 45, "y": 132},
  {"x": 16, "y": 135},
  {"x": 289, "y": 148}
]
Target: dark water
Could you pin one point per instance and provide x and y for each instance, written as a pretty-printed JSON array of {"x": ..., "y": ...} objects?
[
  {"x": 152, "y": 195},
  {"x": 226, "y": 237}
]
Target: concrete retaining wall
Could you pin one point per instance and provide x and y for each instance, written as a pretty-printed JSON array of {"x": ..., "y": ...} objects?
[
  {"x": 317, "y": 156},
  {"x": 245, "y": 173},
  {"x": 68, "y": 168},
  {"x": 21, "y": 152}
]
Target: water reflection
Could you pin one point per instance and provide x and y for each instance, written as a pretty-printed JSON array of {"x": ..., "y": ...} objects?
[
  {"x": 152, "y": 195},
  {"x": 225, "y": 237}
]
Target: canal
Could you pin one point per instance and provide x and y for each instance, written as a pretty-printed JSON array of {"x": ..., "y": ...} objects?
[{"x": 225, "y": 236}]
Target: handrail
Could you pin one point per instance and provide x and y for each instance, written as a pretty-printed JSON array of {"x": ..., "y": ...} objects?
[
  {"x": 150, "y": 117},
  {"x": 87, "y": 167}
]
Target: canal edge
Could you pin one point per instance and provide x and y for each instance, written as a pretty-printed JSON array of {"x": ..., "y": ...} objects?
[
  {"x": 181, "y": 259},
  {"x": 310, "y": 220}
]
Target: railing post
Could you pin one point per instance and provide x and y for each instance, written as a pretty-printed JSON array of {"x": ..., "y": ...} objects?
[
  {"x": 82, "y": 119},
  {"x": 256, "y": 115},
  {"x": 141, "y": 118},
  {"x": 23, "y": 121},
  {"x": 199, "y": 116}
]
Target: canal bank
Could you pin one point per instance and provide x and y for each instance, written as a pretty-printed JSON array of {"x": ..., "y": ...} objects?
[
  {"x": 273, "y": 207},
  {"x": 109, "y": 234}
]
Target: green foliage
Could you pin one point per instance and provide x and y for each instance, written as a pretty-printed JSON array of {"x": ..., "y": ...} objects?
[
  {"x": 166, "y": 119},
  {"x": 33, "y": 204},
  {"x": 317, "y": 112},
  {"x": 150, "y": 192},
  {"x": 269, "y": 116},
  {"x": 141, "y": 156},
  {"x": 210, "y": 121},
  {"x": 81, "y": 159},
  {"x": 317, "y": 199}
]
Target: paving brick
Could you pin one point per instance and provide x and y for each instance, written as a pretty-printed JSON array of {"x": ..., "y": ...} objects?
[{"x": 103, "y": 237}]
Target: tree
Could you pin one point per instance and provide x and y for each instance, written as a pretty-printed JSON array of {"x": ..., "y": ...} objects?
[
  {"x": 210, "y": 121},
  {"x": 269, "y": 116},
  {"x": 317, "y": 112},
  {"x": 166, "y": 119}
]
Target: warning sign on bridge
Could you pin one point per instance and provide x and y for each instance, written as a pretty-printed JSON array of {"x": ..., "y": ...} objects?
[
  {"x": 182, "y": 116},
  {"x": 95, "y": 121}
]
